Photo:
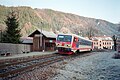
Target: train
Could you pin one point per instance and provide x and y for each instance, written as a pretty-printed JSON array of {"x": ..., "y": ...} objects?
[{"x": 72, "y": 44}]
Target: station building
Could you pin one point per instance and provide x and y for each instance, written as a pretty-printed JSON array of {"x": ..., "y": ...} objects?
[
  {"x": 43, "y": 40},
  {"x": 103, "y": 42}
]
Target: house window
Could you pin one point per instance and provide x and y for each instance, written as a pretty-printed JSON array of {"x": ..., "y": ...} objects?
[
  {"x": 96, "y": 47},
  {"x": 110, "y": 43}
]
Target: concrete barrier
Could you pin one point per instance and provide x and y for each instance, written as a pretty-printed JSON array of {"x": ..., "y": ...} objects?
[{"x": 6, "y": 48}]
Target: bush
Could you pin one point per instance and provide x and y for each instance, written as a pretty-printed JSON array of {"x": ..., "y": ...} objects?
[{"x": 116, "y": 56}]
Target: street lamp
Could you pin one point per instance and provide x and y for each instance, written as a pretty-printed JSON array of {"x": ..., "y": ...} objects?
[
  {"x": 41, "y": 40},
  {"x": 41, "y": 36}
]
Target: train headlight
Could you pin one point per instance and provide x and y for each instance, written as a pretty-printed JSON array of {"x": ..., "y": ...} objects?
[
  {"x": 57, "y": 44},
  {"x": 68, "y": 45}
]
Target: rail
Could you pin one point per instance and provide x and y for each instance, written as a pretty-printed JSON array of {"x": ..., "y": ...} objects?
[{"x": 13, "y": 69}]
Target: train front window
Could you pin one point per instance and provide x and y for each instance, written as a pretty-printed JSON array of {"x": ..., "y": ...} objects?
[{"x": 65, "y": 38}]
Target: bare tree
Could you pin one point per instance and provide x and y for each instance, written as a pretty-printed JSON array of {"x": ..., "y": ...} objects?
[
  {"x": 90, "y": 31},
  {"x": 114, "y": 39}
]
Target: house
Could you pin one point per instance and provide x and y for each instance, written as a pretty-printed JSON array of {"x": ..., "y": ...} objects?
[
  {"x": 43, "y": 40},
  {"x": 102, "y": 42}
]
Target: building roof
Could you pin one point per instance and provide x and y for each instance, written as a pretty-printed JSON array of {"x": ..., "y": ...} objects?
[
  {"x": 45, "y": 33},
  {"x": 49, "y": 34},
  {"x": 27, "y": 40},
  {"x": 102, "y": 38}
]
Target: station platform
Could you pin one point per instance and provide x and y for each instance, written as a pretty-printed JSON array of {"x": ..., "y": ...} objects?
[{"x": 26, "y": 55}]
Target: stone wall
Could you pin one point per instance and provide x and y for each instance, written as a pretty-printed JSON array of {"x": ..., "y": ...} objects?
[{"x": 14, "y": 48}]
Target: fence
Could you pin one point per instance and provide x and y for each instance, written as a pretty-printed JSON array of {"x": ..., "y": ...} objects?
[{"x": 14, "y": 48}]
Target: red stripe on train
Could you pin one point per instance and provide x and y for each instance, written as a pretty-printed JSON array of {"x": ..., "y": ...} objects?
[{"x": 80, "y": 48}]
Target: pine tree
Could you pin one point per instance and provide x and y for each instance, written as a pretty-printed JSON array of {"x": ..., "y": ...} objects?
[{"x": 12, "y": 33}]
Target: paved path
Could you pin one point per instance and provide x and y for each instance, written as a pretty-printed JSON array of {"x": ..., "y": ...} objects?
[{"x": 26, "y": 55}]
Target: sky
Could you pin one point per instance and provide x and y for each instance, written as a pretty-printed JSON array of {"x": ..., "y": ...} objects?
[{"x": 100, "y": 9}]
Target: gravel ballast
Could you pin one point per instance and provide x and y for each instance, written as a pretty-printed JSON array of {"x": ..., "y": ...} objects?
[
  {"x": 97, "y": 66},
  {"x": 100, "y": 66}
]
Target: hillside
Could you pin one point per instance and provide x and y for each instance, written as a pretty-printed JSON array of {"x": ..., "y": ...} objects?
[{"x": 57, "y": 21}]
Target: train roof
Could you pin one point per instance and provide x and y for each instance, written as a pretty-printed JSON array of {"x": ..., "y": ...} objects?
[
  {"x": 102, "y": 38},
  {"x": 76, "y": 36}
]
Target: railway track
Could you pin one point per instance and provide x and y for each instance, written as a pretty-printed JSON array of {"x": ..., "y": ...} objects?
[
  {"x": 13, "y": 69},
  {"x": 22, "y": 60},
  {"x": 10, "y": 70}
]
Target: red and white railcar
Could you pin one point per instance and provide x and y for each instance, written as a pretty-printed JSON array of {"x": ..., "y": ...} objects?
[{"x": 71, "y": 43}]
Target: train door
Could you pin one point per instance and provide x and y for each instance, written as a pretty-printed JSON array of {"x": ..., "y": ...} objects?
[{"x": 75, "y": 43}]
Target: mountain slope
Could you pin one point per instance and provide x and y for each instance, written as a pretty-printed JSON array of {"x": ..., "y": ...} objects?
[{"x": 57, "y": 21}]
